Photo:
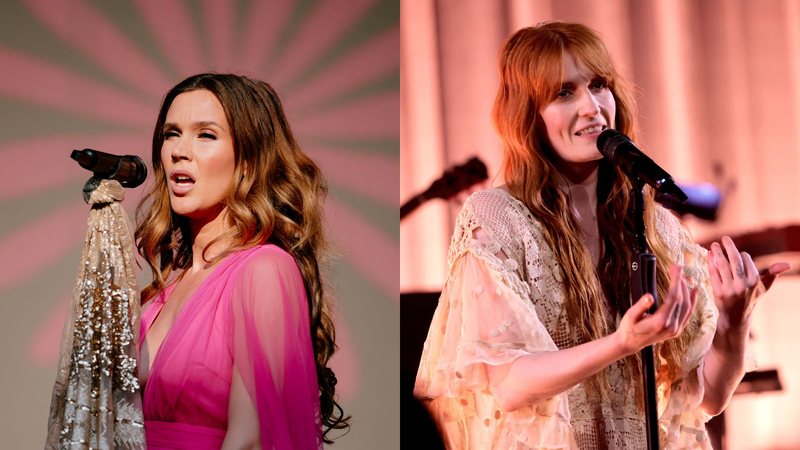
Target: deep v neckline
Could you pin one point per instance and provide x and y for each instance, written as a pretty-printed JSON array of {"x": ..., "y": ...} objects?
[{"x": 182, "y": 311}]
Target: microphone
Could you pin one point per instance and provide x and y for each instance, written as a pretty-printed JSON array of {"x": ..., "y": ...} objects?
[
  {"x": 618, "y": 148},
  {"x": 129, "y": 170}
]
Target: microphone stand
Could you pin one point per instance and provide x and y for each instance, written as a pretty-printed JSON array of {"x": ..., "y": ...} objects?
[
  {"x": 453, "y": 181},
  {"x": 643, "y": 280}
]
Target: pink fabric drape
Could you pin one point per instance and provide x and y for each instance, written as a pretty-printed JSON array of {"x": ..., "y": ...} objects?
[{"x": 249, "y": 315}]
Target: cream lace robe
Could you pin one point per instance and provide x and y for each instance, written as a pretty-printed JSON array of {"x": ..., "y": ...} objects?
[{"x": 502, "y": 300}]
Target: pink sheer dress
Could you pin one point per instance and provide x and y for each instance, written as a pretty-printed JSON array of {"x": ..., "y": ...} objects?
[{"x": 249, "y": 315}]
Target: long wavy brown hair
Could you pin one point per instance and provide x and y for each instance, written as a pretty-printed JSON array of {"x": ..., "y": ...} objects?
[
  {"x": 531, "y": 73},
  {"x": 278, "y": 198}
]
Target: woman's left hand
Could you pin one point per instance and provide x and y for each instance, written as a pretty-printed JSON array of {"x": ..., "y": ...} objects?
[{"x": 736, "y": 282}]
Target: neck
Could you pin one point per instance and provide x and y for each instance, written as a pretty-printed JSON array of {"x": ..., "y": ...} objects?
[
  {"x": 203, "y": 232},
  {"x": 579, "y": 173},
  {"x": 583, "y": 206},
  {"x": 582, "y": 182}
]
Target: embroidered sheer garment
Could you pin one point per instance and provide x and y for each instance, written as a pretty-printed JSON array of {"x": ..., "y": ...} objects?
[
  {"x": 502, "y": 300},
  {"x": 250, "y": 316},
  {"x": 96, "y": 398}
]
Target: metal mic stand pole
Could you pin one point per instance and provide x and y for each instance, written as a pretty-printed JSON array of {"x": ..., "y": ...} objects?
[{"x": 643, "y": 280}]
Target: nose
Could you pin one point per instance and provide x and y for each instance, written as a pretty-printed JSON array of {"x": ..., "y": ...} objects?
[
  {"x": 179, "y": 149},
  {"x": 590, "y": 105}
]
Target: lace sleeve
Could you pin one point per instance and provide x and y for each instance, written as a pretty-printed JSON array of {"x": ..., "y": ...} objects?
[
  {"x": 485, "y": 317},
  {"x": 480, "y": 320}
]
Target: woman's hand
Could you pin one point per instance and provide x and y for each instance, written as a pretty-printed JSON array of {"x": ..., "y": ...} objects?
[
  {"x": 637, "y": 329},
  {"x": 736, "y": 282},
  {"x": 737, "y": 285}
]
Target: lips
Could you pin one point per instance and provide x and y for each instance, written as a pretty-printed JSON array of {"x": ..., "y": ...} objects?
[
  {"x": 181, "y": 182},
  {"x": 590, "y": 130}
]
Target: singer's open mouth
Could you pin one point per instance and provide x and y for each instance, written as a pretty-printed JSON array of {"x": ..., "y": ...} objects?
[{"x": 181, "y": 178}]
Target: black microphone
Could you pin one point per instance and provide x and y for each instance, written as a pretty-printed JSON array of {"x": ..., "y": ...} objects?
[
  {"x": 129, "y": 170},
  {"x": 618, "y": 148}
]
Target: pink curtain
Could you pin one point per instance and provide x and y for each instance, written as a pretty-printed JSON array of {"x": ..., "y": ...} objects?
[{"x": 718, "y": 85}]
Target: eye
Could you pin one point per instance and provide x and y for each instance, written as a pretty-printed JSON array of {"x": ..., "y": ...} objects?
[
  {"x": 207, "y": 135},
  {"x": 563, "y": 93},
  {"x": 170, "y": 134},
  {"x": 598, "y": 84}
]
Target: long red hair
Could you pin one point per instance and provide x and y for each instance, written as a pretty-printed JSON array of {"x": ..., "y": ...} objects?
[{"x": 531, "y": 73}]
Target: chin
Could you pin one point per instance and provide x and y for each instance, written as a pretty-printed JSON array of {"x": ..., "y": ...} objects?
[
  {"x": 592, "y": 156},
  {"x": 592, "y": 159},
  {"x": 198, "y": 213},
  {"x": 183, "y": 213},
  {"x": 184, "y": 210}
]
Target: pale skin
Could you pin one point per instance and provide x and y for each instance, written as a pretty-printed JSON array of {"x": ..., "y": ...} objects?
[
  {"x": 735, "y": 281},
  {"x": 198, "y": 144},
  {"x": 736, "y": 285}
]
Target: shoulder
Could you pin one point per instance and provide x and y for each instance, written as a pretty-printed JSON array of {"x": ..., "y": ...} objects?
[
  {"x": 489, "y": 210},
  {"x": 266, "y": 276},
  {"x": 671, "y": 229},
  {"x": 266, "y": 261},
  {"x": 667, "y": 220},
  {"x": 494, "y": 216},
  {"x": 680, "y": 244},
  {"x": 488, "y": 201},
  {"x": 268, "y": 256},
  {"x": 494, "y": 208}
]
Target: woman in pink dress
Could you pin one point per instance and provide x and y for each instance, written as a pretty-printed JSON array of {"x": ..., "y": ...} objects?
[{"x": 235, "y": 333}]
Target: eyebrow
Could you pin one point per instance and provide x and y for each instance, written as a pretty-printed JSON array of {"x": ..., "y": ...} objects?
[
  {"x": 573, "y": 83},
  {"x": 201, "y": 124}
]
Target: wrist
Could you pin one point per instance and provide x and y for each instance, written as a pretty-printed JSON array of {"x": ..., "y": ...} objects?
[
  {"x": 737, "y": 324},
  {"x": 731, "y": 337},
  {"x": 622, "y": 347}
]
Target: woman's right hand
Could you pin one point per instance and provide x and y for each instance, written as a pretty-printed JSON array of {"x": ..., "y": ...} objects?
[
  {"x": 638, "y": 329},
  {"x": 543, "y": 374}
]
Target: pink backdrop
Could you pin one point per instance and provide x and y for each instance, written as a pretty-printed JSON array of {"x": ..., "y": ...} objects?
[
  {"x": 718, "y": 84},
  {"x": 81, "y": 73}
]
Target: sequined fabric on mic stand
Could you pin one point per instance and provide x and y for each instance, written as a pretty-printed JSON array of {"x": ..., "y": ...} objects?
[{"x": 96, "y": 402}]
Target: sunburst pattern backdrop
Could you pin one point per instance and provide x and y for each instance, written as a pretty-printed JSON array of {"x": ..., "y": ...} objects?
[{"x": 83, "y": 73}]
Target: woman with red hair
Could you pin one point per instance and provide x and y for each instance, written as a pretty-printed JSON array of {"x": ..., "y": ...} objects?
[{"x": 534, "y": 343}]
